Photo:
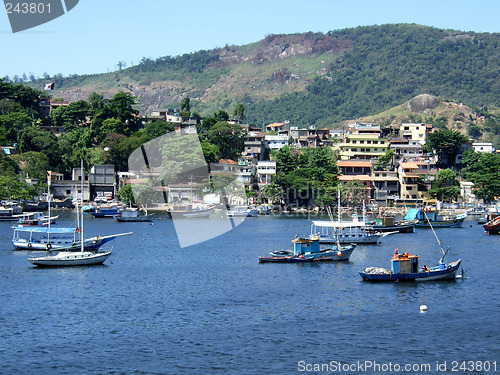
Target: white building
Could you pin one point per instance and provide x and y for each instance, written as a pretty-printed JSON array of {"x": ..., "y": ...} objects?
[
  {"x": 483, "y": 147},
  {"x": 276, "y": 142},
  {"x": 266, "y": 170}
]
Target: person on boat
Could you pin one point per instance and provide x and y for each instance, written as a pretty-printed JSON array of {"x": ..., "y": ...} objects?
[{"x": 425, "y": 268}]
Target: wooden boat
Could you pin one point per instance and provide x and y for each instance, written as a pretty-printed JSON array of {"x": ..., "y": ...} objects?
[
  {"x": 389, "y": 224},
  {"x": 404, "y": 267},
  {"x": 493, "y": 226},
  {"x": 133, "y": 214},
  {"x": 429, "y": 216},
  {"x": 68, "y": 258},
  {"x": 309, "y": 250}
]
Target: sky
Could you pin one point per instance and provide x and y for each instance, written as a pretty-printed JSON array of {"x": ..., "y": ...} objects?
[{"x": 96, "y": 34}]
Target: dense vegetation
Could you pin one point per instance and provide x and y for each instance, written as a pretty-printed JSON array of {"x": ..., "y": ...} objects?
[{"x": 389, "y": 65}]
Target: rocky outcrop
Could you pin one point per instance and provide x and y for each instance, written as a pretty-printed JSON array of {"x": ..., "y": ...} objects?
[{"x": 422, "y": 103}]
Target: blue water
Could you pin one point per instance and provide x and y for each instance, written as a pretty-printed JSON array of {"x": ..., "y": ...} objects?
[{"x": 154, "y": 308}]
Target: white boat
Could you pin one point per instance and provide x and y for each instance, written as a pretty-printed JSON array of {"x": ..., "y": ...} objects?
[
  {"x": 74, "y": 258},
  {"x": 36, "y": 218},
  {"x": 243, "y": 211},
  {"x": 331, "y": 232},
  {"x": 53, "y": 238},
  {"x": 12, "y": 213},
  {"x": 71, "y": 258},
  {"x": 58, "y": 238},
  {"x": 133, "y": 214}
]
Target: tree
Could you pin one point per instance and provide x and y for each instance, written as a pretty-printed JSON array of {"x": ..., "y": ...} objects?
[
  {"x": 229, "y": 138},
  {"x": 185, "y": 104},
  {"x": 126, "y": 194},
  {"x": 445, "y": 187},
  {"x": 384, "y": 160},
  {"x": 239, "y": 112},
  {"x": 447, "y": 144},
  {"x": 484, "y": 172}
]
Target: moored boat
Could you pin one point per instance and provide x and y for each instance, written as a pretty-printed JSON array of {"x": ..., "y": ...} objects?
[
  {"x": 133, "y": 214},
  {"x": 309, "y": 250},
  {"x": 107, "y": 210},
  {"x": 438, "y": 219},
  {"x": 404, "y": 267},
  {"x": 189, "y": 211},
  {"x": 389, "y": 224},
  {"x": 331, "y": 232},
  {"x": 493, "y": 226},
  {"x": 68, "y": 258}
]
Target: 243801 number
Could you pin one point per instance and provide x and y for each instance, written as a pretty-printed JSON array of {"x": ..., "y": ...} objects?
[{"x": 25, "y": 8}]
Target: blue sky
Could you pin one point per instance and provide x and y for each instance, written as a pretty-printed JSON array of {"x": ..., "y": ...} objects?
[{"x": 97, "y": 34}]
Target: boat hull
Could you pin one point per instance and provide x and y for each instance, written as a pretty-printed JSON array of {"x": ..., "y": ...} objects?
[
  {"x": 456, "y": 223},
  {"x": 325, "y": 255},
  {"x": 71, "y": 259},
  {"x": 367, "y": 238},
  {"x": 434, "y": 274}
]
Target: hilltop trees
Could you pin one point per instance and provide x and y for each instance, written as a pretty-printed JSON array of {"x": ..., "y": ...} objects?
[
  {"x": 447, "y": 144},
  {"x": 484, "y": 171}
]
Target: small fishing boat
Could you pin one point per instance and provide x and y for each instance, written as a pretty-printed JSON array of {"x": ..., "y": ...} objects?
[
  {"x": 37, "y": 218},
  {"x": 11, "y": 213},
  {"x": 389, "y": 224},
  {"x": 189, "y": 211},
  {"x": 133, "y": 214},
  {"x": 404, "y": 267},
  {"x": 493, "y": 226},
  {"x": 242, "y": 211},
  {"x": 107, "y": 210},
  {"x": 309, "y": 250},
  {"x": 68, "y": 258},
  {"x": 438, "y": 219}
]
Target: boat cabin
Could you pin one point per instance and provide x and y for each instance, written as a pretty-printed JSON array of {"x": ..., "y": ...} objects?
[
  {"x": 303, "y": 246},
  {"x": 404, "y": 263}
]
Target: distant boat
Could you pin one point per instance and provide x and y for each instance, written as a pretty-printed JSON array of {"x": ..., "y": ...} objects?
[
  {"x": 107, "y": 210},
  {"x": 133, "y": 214},
  {"x": 37, "y": 218},
  {"x": 389, "y": 224},
  {"x": 438, "y": 219},
  {"x": 308, "y": 250},
  {"x": 189, "y": 211},
  {"x": 493, "y": 226},
  {"x": 242, "y": 211},
  {"x": 12, "y": 213},
  {"x": 331, "y": 232}
]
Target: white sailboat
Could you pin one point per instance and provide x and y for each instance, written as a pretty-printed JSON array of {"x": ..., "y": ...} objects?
[{"x": 73, "y": 258}]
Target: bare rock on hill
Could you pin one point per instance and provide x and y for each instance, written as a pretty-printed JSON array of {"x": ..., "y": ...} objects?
[{"x": 422, "y": 103}]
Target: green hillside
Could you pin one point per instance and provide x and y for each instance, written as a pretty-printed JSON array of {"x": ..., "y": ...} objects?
[{"x": 312, "y": 78}]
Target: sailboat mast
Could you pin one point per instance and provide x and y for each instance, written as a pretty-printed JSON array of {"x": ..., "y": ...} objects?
[{"x": 81, "y": 199}]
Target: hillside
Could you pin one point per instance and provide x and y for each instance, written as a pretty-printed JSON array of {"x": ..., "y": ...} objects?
[{"x": 312, "y": 78}]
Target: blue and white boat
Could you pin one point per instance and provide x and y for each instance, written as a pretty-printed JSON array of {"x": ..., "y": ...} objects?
[
  {"x": 107, "y": 210},
  {"x": 438, "y": 219},
  {"x": 309, "y": 250},
  {"x": 404, "y": 267}
]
